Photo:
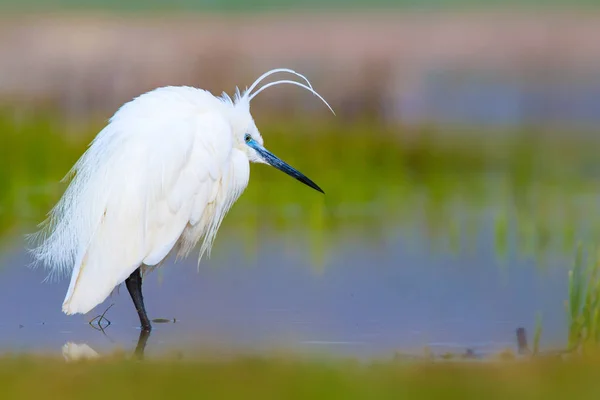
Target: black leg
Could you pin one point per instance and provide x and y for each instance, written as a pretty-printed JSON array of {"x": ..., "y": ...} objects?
[{"x": 134, "y": 285}]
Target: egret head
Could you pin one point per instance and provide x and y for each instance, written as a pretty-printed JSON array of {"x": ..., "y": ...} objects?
[{"x": 246, "y": 135}]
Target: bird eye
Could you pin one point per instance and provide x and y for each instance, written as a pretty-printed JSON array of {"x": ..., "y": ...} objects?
[{"x": 247, "y": 137}]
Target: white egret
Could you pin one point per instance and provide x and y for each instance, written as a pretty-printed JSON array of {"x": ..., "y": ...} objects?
[{"x": 156, "y": 180}]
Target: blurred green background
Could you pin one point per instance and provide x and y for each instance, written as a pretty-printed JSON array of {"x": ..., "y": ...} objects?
[
  {"x": 472, "y": 117},
  {"x": 486, "y": 107}
]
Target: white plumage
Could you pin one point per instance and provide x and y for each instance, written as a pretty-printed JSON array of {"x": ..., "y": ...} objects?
[{"x": 156, "y": 180}]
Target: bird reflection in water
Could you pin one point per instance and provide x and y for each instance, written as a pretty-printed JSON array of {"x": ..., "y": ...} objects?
[{"x": 77, "y": 352}]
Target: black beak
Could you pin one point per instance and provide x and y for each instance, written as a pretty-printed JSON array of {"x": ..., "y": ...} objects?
[{"x": 276, "y": 162}]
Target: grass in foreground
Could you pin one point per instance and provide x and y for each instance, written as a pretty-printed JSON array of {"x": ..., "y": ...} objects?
[
  {"x": 27, "y": 377},
  {"x": 584, "y": 301}
]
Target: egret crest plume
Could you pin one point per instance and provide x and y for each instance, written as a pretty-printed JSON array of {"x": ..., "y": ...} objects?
[
  {"x": 275, "y": 71},
  {"x": 248, "y": 95}
]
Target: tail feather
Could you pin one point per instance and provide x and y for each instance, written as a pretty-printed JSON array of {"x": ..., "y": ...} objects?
[{"x": 115, "y": 251}]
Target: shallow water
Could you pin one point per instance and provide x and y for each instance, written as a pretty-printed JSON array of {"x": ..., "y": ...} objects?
[{"x": 364, "y": 300}]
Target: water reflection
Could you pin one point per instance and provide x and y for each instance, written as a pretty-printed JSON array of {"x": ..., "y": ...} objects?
[
  {"x": 140, "y": 348},
  {"x": 82, "y": 351},
  {"x": 76, "y": 352}
]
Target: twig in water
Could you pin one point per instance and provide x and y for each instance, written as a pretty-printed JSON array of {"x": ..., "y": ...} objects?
[
  {"x": 522, "y": 342},
  {"x": 100, "y": 318}
]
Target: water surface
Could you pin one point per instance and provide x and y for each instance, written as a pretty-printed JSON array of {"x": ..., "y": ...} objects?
[{"x": 364, "y": 300}]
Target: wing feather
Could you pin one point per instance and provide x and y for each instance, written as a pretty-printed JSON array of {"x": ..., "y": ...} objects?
[{"x": 140, "y": 185}]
